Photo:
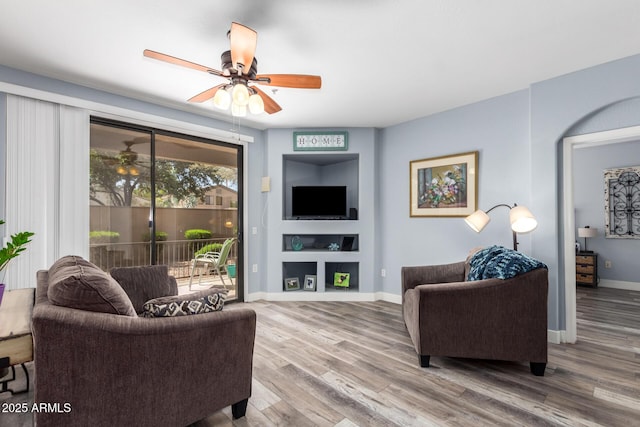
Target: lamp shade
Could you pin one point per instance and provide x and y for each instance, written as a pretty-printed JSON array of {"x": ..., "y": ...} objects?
[
  {"x": 240, "y": 94},
  {"x": 222, "y": 99},
  {"x": 587, "y": 232},
  {"x": 256, "y": 104},
  {"x": 477, "y": 220},
  {"x": 522, "y": 220}
]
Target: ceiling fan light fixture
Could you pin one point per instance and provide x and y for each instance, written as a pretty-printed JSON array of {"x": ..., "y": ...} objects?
[
  {"x": 256, "y": 104},
  {"x": 240, "y": 68},
  {"x": 240, "y": 94},
  {"x": 222, "y": 99}
]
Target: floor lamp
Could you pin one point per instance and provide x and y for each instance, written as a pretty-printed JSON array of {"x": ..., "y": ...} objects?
[{"x": 521, "y": 219}]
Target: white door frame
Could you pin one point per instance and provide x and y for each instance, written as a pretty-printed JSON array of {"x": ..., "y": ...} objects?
[{"x": 568, "y": 208}]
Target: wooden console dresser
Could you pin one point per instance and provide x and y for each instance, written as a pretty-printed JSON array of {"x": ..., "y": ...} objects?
[{"x": 587, "y": 269}]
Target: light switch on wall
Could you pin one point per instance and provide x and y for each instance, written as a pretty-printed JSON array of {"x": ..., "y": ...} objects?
[{"x": 266, "y": 184}]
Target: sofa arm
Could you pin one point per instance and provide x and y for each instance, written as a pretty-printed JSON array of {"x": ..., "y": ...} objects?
[
  {"x": 119, "y": 370},
  {"x": 421, "y": 275}
]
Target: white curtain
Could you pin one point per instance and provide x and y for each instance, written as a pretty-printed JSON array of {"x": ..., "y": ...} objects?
[{"x": 47, "y": 184}]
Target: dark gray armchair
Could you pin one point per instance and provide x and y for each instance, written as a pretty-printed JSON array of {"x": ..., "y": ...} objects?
[
  {"x": 121, "y": 369},
  {"x": 485, "y": 319}
]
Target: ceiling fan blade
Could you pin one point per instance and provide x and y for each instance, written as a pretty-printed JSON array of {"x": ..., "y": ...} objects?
[
  {"x": 243, "y": 42},
  {"x": 177, "y": 61},
  {"x": 270, "y": 106},
  {"x": 301, "y": 81},
  {"x": 207, "y": 94}
]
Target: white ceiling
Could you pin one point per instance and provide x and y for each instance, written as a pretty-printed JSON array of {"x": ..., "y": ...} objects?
[{"x": 382, "y": 62}]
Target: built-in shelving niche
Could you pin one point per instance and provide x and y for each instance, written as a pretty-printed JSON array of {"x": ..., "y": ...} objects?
[
  {"x": 340, "y": 269},
  {"x": 329, "y": 169},
  {"x": 298, "y": 270},
  {"x": 320, "y": 242}
]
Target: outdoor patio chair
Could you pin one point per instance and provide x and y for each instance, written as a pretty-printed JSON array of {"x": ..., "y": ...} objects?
[{"x": 212, "y": 261}]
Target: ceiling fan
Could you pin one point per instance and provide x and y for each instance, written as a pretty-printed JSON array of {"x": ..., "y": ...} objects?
[{"x": 240, "y": 68}]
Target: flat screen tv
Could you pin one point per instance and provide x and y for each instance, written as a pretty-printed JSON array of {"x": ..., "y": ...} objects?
[{"x": 319, "y": 202}]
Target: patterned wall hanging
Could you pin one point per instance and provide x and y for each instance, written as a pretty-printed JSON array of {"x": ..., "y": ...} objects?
[{"x": 622, "y": 203}]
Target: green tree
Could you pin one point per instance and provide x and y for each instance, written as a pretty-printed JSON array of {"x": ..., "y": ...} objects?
[{"x": 176, "y": 181}]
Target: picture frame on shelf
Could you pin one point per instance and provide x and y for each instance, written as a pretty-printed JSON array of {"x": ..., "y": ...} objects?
[
  {"x": 291, "y": 284},
  {"x": 445, "y": 186},
  {"x": 341, "y": 280},
  {"x": 310, "y": 282}
]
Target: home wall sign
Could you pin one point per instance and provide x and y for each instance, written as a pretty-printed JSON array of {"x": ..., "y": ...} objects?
[
  {"x": 622, "y": 203},
  {"x": 320, "y": 141}
]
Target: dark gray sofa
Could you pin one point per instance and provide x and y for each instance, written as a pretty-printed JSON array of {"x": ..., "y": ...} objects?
[
  {"x": 485, "y": 319},
  {"x": 125, "y": 370}
]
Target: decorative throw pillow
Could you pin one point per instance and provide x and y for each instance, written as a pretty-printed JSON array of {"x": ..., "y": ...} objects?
[
  {"x": 76, "y": 283},
  {"x": 183, "y": 305},
  {"x": 500, "y": 263},
  {"x": 142, "y": 283}
]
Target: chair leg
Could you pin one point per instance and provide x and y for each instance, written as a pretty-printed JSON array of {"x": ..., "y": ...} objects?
[
  {"x": 220, "y": 275},
  {"x": 537, "y": 368},
  {"x": 239, "y": 409},
  {"x": 193, "y": 269},
  {"x": 424, "y": 360}
]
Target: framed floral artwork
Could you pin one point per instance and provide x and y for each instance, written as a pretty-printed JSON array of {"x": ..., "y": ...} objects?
[{"x": 444, "y": 186}]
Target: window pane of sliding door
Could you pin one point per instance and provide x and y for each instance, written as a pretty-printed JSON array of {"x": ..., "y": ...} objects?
[
  {"x": 120, "y": 196},
  {"x": 164, "y": 198},
  {"x": 196, "y": 210}
]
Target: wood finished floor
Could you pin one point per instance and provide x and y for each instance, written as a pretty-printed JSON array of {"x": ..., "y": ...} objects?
[{"x": 352, "y": 364}]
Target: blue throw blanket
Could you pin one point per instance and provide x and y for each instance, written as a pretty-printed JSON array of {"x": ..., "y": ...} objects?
[{"x": 500, "y": 263}]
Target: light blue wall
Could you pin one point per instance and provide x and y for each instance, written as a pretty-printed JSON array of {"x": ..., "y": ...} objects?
[
  {"x": 588, "y": 183},
  {"x": 556, "y": 106},
  {"x": 498, "y": 129},
  {"x": 617, "y": 115},
  {"x": 519, "y": 138},
  {"x": 258, "y": 215}
]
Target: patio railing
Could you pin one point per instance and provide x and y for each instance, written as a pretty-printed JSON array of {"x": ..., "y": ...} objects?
[{"x": 177, "y": 254}]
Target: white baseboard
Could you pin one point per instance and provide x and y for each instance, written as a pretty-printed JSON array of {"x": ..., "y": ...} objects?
[
  {"x": 556, "y": 337},
  {"x": 256, "y": 296},
  {"x": 385, "y": 296},
  {"x": 619, "y": 284}
]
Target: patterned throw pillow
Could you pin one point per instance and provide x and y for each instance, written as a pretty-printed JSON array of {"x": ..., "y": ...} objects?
[
  {"x": 498, "y": 262},
  {"x": 183, "y": 305}
]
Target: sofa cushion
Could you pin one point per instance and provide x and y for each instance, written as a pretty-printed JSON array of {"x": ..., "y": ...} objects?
[
  {"x": 205, "y": 301},
  {"x": 498, "y": 262},
  {"x": 142, "y": 283},
  {"x": 76, "y": 283}
]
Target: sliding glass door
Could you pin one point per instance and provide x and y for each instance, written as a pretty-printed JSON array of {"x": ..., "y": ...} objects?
[{"x": 164, "y": 198}]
